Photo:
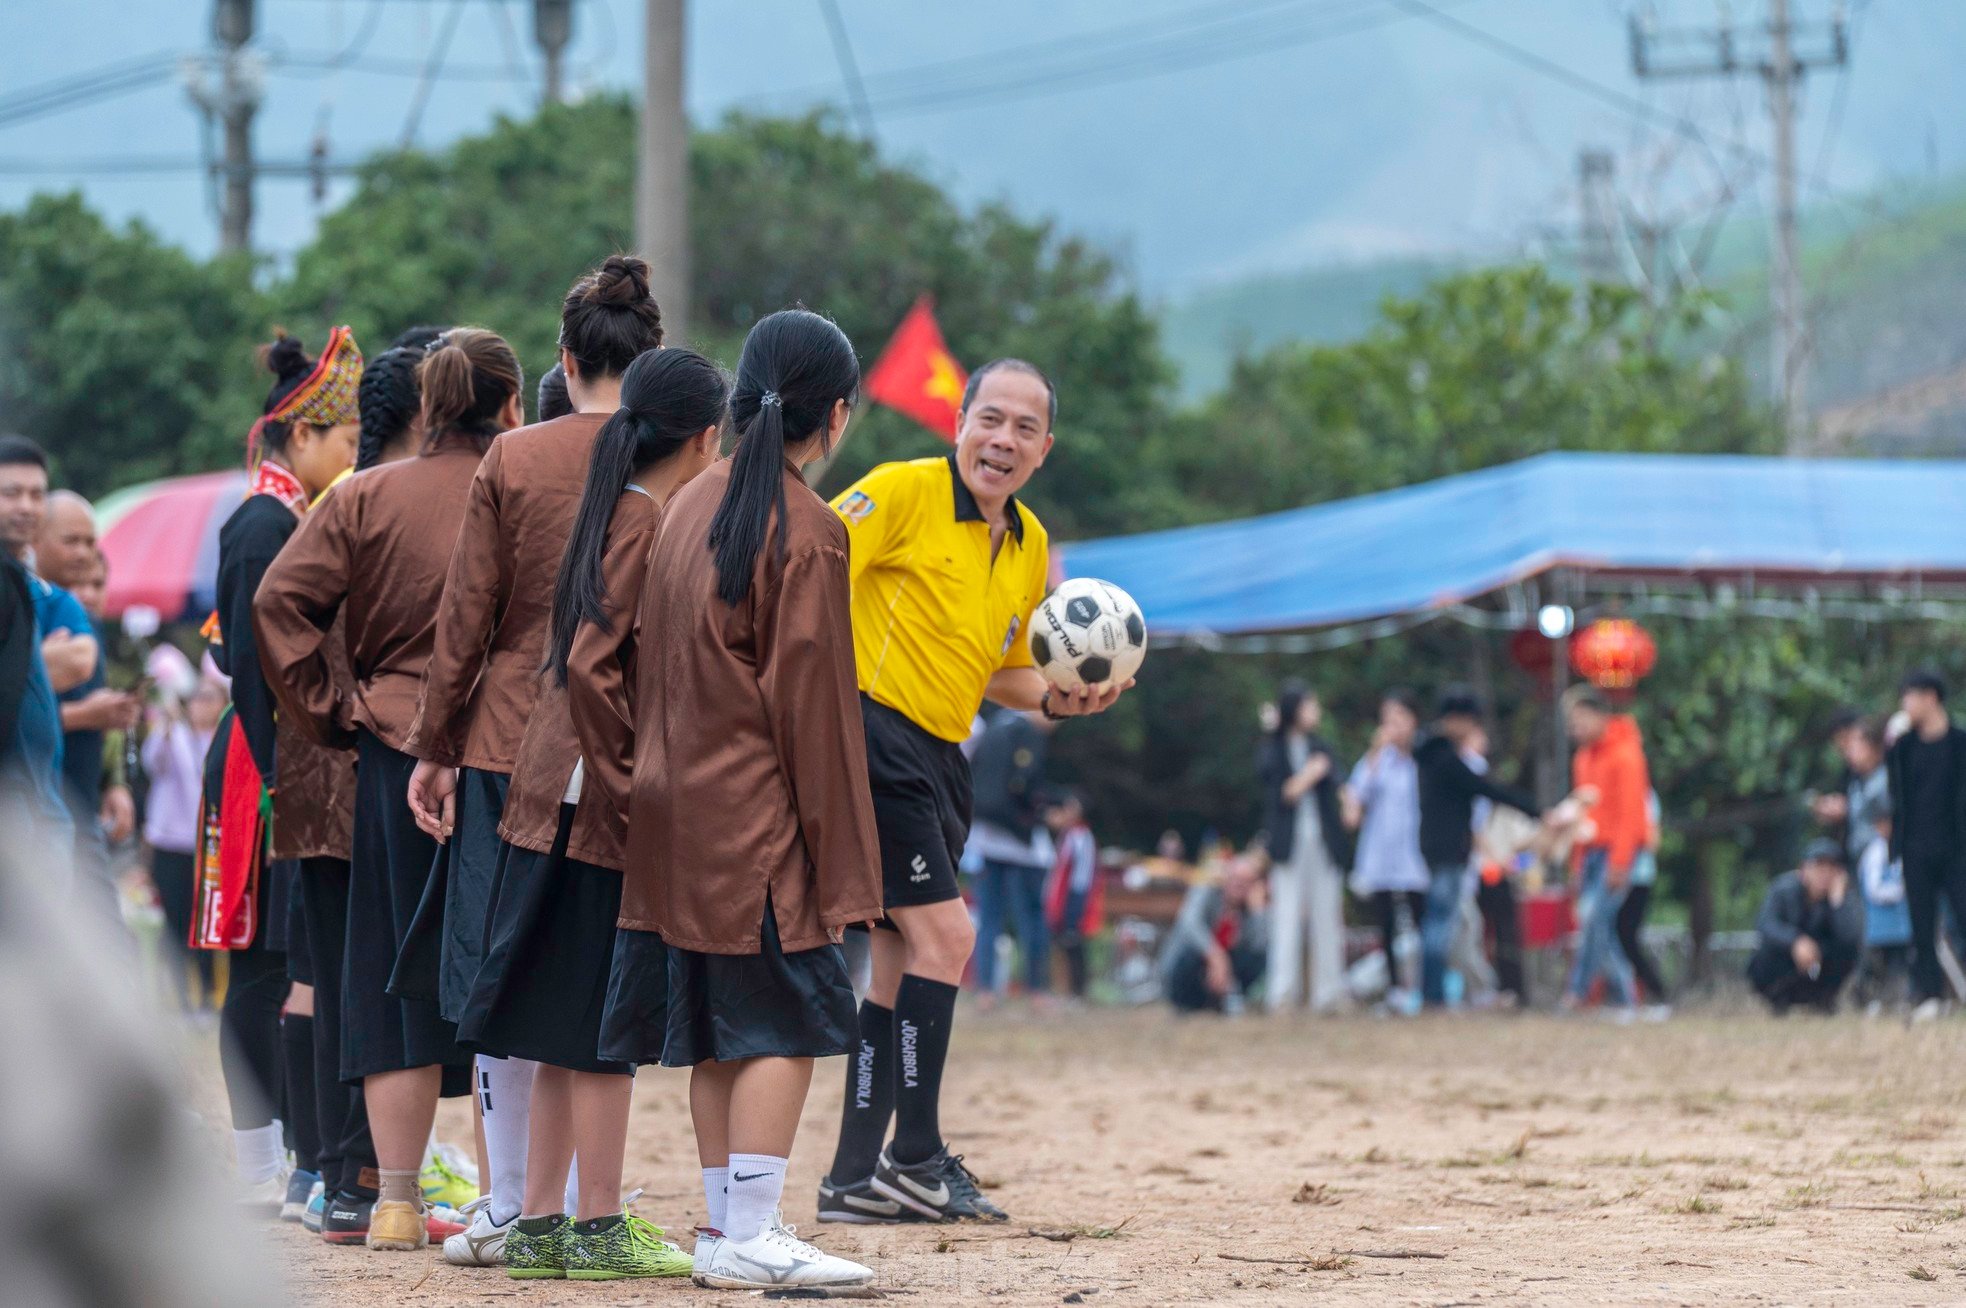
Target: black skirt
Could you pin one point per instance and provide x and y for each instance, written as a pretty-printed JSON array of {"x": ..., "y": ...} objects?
[
  {"x": 300, "y": 958},
  {"x": 544, "y": 982},
  {"x": 725, "y": 1007},
  {"x": 474, "y": 853},
  {"x": 392, "y": 857}
]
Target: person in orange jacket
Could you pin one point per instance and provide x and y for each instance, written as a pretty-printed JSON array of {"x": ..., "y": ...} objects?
[{"x": 1609, "y": 773}]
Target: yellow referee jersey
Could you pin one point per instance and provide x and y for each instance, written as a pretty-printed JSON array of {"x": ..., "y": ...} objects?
[{"x": 933, "y": 616}]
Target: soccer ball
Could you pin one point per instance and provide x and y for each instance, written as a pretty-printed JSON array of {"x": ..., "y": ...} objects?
[{"x": 1088, "y": 633}]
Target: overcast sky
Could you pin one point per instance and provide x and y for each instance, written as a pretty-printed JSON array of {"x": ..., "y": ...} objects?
[{"x": 1199, "y": 140}]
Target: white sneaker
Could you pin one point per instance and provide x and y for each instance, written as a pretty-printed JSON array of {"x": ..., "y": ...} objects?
[
  {"x": 1657, "y": 1012},
  {"x": 270, "y": 1194},
  {"x": 481, "y": 1244},
  {"x": 777, "y": 1257},
  {"x": 1929, "y": 1011},
  {"x": 707, "y": 1243}
]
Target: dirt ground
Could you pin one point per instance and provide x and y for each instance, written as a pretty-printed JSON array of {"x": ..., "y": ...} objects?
[{"x": 1535, "y": 1160}]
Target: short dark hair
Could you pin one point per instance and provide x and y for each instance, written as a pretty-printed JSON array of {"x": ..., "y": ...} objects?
[
  {"x": 1013, "y": 365},
  {"x": 1458, "y": 701},
  {"x": 1924, "y": 679},
  {"x": 1867, "y": 725},
  {"x": 18, "y": 449},
  {"x": 1586, "y": 696},
  {"x": 1403, "y": 697},
  {"x": 1824, "y": 850}
]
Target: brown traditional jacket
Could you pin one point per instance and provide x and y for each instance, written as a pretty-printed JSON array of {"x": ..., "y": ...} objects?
[
  {"x": 750, "y": 775},
  {"x": 498, "y": 595},
  {"x": 314, "y": 805},
  {"x": 596, "y": 691},
  {"x": 375, "y": 551}
]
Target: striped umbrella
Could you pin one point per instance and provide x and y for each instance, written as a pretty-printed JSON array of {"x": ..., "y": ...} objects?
[{"x": 161, "y": 539}]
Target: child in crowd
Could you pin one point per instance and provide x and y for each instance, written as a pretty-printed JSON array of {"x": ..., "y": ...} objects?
[{"x": 1073, "y": 901}]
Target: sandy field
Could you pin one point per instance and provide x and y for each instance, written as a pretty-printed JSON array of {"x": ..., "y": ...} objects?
[{"x": 1715, "y": 1159}]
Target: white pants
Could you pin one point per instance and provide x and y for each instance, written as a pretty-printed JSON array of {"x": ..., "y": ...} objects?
[{"x": 1307, "y": 916}]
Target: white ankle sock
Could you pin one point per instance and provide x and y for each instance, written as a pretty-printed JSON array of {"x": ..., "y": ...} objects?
[
  {"x": 716, "y": 1196},
  {"x": 757, "y": 1181},
  {"x": 505, "y": 1097},
  {"x": 259, "y": 1152}
]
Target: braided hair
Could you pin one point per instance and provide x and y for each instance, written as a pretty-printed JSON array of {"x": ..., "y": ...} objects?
[{"x": 389, "y": 398}]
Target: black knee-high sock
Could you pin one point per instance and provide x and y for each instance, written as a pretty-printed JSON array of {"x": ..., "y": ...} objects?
[
  {"x": 303, "y": 1114},
  {"x": 249, "y": 1035},
  {"x": 869, "y": 1096},
  {"x": 923, "y": 1012}
]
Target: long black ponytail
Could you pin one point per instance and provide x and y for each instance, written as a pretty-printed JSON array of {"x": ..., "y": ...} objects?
[
  {"x": 795, "y": 367},
  {"x": 667, "y": 398}
]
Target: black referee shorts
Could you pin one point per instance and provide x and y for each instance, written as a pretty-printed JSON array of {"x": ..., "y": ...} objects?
[{"x": 920, "y": 785}]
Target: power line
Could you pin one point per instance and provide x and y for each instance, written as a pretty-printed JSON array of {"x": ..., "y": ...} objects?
[
  {"x": 431, "y": 68},
  {"x": 849, "y": 66},
  {"x": 87, "y": 88}
]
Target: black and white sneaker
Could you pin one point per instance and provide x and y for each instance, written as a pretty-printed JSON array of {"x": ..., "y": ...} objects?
[
  {"x": 940, "y": 1188},
  {"x": 858, "y": 1203}
]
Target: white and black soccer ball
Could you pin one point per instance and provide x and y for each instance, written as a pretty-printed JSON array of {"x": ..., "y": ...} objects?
[{"x": 1088, "y": 633}]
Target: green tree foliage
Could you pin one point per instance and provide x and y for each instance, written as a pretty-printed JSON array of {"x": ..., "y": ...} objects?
[{"x": 124, "y": 356}]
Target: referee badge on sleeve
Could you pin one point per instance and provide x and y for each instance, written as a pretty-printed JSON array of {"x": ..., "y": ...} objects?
[
  {"x": 855, "y": 508},
  {"x": 1010, "y": 635}
]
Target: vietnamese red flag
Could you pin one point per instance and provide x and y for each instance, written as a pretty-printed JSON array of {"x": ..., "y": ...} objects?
[{"x": 917, "y": 375}]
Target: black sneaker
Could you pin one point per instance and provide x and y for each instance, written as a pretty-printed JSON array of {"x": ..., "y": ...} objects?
[
  {"x": 940, "y": 1188},
  {"x": 859, "y": 1203},
  {"x": 347, "y": 1219}
]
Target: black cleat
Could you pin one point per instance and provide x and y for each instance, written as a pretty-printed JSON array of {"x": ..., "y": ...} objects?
[
  {"x": 859, "y": 1203},
  {"x": 940, "y": 1188}
]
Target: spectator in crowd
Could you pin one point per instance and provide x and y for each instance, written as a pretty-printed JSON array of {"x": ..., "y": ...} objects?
[
  {"x": 61, "y": 657},
  {"x": 1927, "y": 770},
  {"x": 1860, "y": 809},
  {"x": 67, "y": 557},
  {"x": 1608, "y": 772},
  {"x": 174, "y": 759},
  {"x": 1448, "y": 788},
  {"x": 1810, "y": 932},
  {"x": 1631, "y": 917},
  {"x": 1007, "y": 780},
  {"x": 1073, "y": 902},
  {"x": 1304, "y": 819},
  {"x": 30, "y": 722},
  {"x": 1382, "y": 803},
  {"x": 1215, "y": 951}
]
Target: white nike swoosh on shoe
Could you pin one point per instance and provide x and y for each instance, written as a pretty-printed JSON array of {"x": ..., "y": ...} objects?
[{"x": 938, "y": 1196}]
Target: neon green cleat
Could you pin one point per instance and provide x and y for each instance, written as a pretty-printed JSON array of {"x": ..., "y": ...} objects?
[
  {"x": 536, "y": 1254},
  {"x": 444, "y": 1184},
  {"x": 627, "y": 1247}
]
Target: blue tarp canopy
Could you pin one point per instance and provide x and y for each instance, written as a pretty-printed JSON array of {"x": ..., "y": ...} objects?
[{"x": 1794, "y": 521}]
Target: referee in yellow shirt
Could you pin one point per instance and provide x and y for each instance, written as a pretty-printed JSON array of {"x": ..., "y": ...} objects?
[{"x": 946, "y": 567}]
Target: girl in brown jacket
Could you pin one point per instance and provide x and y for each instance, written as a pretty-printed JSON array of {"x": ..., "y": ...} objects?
[
  {"x": 539, "y": 993},
  {"x": 392, "y": 528},
  {"x": 750, "y": 832}
]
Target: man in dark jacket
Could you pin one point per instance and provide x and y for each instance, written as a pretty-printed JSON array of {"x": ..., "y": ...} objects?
[
  {"x": 1448, "y": 791},
  {"x": 1927, "y": 770},
  {"x": 1007, "y": 779},
  {"x": 1811, "y": 931}
]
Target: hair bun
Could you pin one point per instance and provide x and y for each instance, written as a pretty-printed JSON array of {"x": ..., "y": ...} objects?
[
  {"x": 622, "y": 280},
  {"x": 287, "y": 359}
]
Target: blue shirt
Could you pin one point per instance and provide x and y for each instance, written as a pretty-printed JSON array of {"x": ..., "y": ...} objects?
[
  {"x": 81, "y": 756},
  {"x": 37, "y": 743}
]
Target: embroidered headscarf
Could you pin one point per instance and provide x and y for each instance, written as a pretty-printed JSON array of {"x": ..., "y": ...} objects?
[{"x": 325, "y": 397}]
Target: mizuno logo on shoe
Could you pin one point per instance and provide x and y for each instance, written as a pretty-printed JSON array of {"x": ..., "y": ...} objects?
[{"x": 772, "y": 1271}]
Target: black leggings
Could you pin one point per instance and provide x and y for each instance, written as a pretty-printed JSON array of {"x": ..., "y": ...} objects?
[
  {"x": 249, "y": 1034},
  {"x": 1631, "y": 916},
  {"x": 1388, "y": 904},
  {"x": 172, "y": 874},
  {"x": 1499, "y": 911}
]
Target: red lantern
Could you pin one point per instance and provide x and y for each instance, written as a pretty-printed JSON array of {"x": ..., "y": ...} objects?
[
  {"x": 1613, "y": 653},
  {"x": 1535, "y": 654}
]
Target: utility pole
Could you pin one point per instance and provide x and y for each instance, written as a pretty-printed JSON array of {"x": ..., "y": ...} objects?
[
  {"x": 552, "y": 28},
  {"x": 662, "y": 177},
  {"x": 232, "y": 102},
  {"x": 1722, "y": 52},
  {"x": 1597, "y": 205}
]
